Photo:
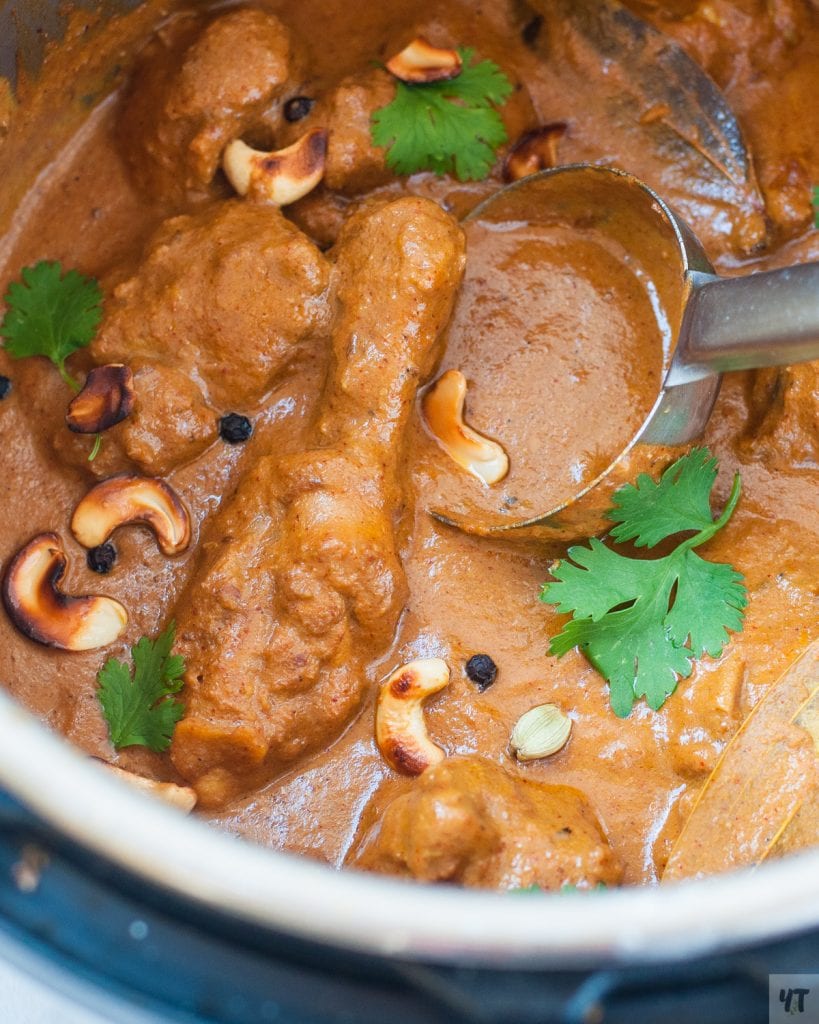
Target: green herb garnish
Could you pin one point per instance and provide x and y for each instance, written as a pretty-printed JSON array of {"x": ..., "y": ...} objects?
[
  {"x": 642, "y": 623},
  {"x": 816, "y": 205},
  {"x": 449, "y": 127},
  {"x": 51, "y": 314},
  {"x": 139, "y": 709}
]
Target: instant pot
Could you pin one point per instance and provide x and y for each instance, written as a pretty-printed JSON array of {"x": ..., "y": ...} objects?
[{"x": 130, "y": 904}]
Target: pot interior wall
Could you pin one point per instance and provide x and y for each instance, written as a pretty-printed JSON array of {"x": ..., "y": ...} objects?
[{"x": 44, "y": 101}]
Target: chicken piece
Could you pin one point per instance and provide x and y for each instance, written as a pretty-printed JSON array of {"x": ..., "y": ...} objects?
[
  {"x": 225, "y": 301},
  {"x": 171, "y": 424},
  {"x": 469, "y": 821},
  {"x": 301, "y": 585},
  {"x": 230, "y": 296},
  {"x": 353, "y": 164},
  {"x": 785, "y": 405},
  {"x": 194, "y": 90}
]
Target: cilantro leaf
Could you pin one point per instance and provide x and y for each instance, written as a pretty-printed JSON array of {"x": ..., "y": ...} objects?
[
  {"x": 51, "y": 314},
  {"x": 138, "y": 710},
  {"x": 816, "y": 205},
  {"x": 640, "y": 622},
  {"x": 449, "y": 127},
  {"x": 631, "y": 647},
  {"x": 648, "y": 512},
  {"x": 478, "y": 85},
  {"x": 618, "y": 580},
  {"x": 710, "y": 600}
]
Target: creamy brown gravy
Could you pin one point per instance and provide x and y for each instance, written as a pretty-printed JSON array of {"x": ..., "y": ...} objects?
[
  {"x": 562, "y": 308},
  {"x": 467, "y": 595}
]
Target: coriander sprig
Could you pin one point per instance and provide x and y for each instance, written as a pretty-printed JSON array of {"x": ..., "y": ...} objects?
[
  {"x": 139, "y": 709},
  {"x": 642, "y": 623},
  {"x": 449, "y": 127},
  {"x": 51, "y": 314}
]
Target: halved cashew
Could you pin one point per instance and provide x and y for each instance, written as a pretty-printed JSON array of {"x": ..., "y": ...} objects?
[
  {"x": 280, "y": 177},
  {"x": 400, "y": 730},
  {"x": 105, "y": 400},
  {"x": 443, "y": 409},
  {"x": 422, "y": 62},
  {"x": 124, "y": 500},
  {"x": 40, "y": 610},
  {"x": 182, "y": 797},
  {"x": 535, "y": 151}
]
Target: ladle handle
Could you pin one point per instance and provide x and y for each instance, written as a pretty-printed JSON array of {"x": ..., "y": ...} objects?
[{"x": 739, "y": 323}]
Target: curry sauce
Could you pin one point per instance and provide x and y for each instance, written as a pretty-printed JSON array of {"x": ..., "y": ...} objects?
[{"x": 563, "y": 386}]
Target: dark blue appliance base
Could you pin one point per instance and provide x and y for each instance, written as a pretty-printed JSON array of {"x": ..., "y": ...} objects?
[{"x": 172, "y": 958}]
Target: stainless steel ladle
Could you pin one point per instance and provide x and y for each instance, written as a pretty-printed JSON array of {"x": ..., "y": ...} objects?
[{"x": 717, "y": 324}]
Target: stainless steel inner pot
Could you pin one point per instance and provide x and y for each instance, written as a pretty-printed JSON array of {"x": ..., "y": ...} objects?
[{"x": 356, "y": 912}]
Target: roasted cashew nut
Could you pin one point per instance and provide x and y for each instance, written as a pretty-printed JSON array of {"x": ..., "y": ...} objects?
[
  {"x": 280, "y": 177},
  {"x": 400, "y": 730},
  {"x": 443, "y": 409},
  {"x": 182, "y": 797},
  {"x": 422, "y": 62},
  {"x": 125, "y": 500},
  {"x": 535, "y": 151},
  {"x": 40, "y": 610},
  {"x": 105, "y": 400}
]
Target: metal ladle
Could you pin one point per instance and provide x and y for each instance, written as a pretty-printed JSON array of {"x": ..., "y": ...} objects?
[{"x": 718, "y": 324}]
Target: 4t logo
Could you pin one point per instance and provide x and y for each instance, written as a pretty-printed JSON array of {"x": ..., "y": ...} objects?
[{"x": 793, "y": 999}]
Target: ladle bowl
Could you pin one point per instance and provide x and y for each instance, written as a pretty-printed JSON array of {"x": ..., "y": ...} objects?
[{"x": 709, "y": 325}]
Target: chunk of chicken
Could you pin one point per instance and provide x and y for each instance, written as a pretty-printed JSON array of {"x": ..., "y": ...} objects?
[
  {"x": 230, "y": 296},
  {"x": 785, "y": 406},
  {"x": 190, "y": 95},
  {"x": 225, "y": 301},
  {"x": 353, "y": 164},
  {"x": 172, "y": 422},
  {"x": 469, "y": 821},
  {"x": 301, "y": 585}
]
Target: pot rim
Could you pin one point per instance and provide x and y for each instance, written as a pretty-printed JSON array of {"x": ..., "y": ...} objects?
[{"x": 388, "y": 917}]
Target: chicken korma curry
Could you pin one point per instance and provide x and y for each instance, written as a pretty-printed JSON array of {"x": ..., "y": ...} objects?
[{"x": 252, "y": 341}]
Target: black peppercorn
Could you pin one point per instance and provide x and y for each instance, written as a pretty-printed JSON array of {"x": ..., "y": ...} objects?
[
  {"x": 298, "y": 107},
  {"x": 5, "y": 387},
  {"x": 102, "y": 558},
  {"x": 482, "y": 670},
  {"x": 235, "y": 429},
  {"x": 531, "y": 30}
]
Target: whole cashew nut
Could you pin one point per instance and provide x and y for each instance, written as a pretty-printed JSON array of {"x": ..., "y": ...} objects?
[
  {"x": 443, "y": 409},
  {"x": 182, "y": 797},
  {"x": 106, "y": 399},
  {"x": 400, "y": 730},
  {"x": 422, "y": 62},
  {"x": 40, "y": 610},
  {"x": 280, "y": 177},
  {"x": 123, "y": 500},
  {"x": 535, "y": 151}
]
